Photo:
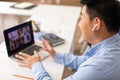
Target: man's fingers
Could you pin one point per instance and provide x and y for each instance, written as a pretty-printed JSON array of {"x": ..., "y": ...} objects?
[
  {"x": 47, "y": 46},
  {"x": 36, "y": 53},
  {"x": 23, "y": 65},
  {"x": 24, "y": 54},
  {"x": 20, "y": 57},
  {"x": 21, "y": 62},
  {"x": 45, "y": 42},
  {"x": 44, "y": 49}
]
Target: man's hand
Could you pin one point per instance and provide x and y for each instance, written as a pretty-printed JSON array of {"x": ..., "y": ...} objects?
[
  {"x": 48, "y": 48},
  {"x": 28, "y": 60}
]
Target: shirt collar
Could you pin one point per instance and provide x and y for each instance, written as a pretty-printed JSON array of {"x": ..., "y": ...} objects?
[{"x": 93, "y": 50}]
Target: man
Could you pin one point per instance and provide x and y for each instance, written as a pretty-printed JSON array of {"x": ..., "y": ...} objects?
[{"x": 99, "y": 24}]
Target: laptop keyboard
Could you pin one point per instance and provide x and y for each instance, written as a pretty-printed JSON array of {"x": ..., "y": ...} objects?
[
  {"x": 30, "y": 51},
  {"x": 32, "y": 48},
  {"x": 43, "y": 54}
]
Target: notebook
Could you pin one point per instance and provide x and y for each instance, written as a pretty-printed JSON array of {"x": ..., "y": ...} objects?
[
  {"x": 53, "y": 39},
  {"x": 20, "y": 39}
]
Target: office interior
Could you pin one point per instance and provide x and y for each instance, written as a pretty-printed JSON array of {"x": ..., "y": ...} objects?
[{"x": 9, "y": 20}]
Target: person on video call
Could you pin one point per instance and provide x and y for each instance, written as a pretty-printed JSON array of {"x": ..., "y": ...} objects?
[{"x": 99, "y": 24}]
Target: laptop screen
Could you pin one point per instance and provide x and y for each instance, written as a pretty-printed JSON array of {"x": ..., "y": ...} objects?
[{"x": 19, "y": 37}]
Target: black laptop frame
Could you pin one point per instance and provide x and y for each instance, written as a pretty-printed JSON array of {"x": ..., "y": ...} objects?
[{"x": 7, "y": 31}]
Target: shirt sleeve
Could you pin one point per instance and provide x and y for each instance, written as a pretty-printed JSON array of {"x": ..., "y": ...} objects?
[
  {"x": 87, "y": 73},
  {"x": 70, "y": 60},
  {"x": 39, "y": 72}
]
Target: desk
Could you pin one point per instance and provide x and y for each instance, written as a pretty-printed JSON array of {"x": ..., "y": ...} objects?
[{"x": 60, "y": 20}]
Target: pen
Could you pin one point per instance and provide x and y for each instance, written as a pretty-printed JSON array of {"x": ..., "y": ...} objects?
[{"x": 22, "y": 76}]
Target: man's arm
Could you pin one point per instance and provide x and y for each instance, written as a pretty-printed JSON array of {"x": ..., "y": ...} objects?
[
  {"x": 83, "y": 73},
  {"x": 40, "y": 73},
  {"x": 87, "y": 73},
  {"x": 33, "y": 62},
  {"x": 70, "y": 60}
]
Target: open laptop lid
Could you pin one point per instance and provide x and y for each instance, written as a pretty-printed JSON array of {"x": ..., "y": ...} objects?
[{"x": 18, "y": 37}]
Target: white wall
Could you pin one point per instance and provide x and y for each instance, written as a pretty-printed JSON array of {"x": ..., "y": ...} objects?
[{"x": 7, "y": 21}]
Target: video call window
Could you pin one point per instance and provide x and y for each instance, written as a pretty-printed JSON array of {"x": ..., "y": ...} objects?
[{"x": 19, "y": 37}]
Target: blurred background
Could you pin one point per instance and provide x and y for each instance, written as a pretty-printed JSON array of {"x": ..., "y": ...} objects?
[
  {"x": 11, "y": 20},
  {"x": 57, "y": 2}
]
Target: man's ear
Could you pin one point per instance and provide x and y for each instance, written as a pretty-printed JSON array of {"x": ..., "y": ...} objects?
[{"x": 97, "y": 23}]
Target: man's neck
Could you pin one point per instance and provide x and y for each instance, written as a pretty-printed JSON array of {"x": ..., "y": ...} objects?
[{"x": 102, "y": 36}]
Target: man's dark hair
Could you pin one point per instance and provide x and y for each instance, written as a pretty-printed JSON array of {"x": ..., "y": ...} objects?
[{"x": 107, "y": 10}]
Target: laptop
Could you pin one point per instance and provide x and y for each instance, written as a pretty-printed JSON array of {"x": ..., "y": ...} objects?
[{"x": 20, "y": 38}]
